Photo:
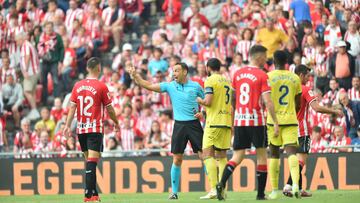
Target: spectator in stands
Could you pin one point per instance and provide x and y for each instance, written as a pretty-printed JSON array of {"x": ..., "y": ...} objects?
[
  {"x": 29, "y": 63},
  {"x": 172, "y": 9},
  {"x": 158, "y": 64},
  {"x": 354, "y": 92},
  {"x": 162, "y": 30},
  {"x": 5, "y": 70},
  {"x": 213, "y": 12},
  {"x": 157, "y": 139},
  {"x": 342, "y": 66},
  {"x": 112, "y": 148},
  {"x": 68, "y": 65},
  {"x": 356, "y": 141},
  {"x": 352, "y": 36},
  {"x": 46, "y": 123},
  {"x": 195, "y": 14},
  {"x": 133, "y": 10},
  {"x": 45, "y": 145},
  {"x": 332, "y": 33},
  {"x": 127, "y": 136},
  {"x": 332, "y": 96},
  {"x": 24, "y": 140},
  {"x": 13, "y": 97},
  {"x": 3, "y": 137},
  {"x": 271, "y": 38},
  {"x": 300, "y": 10},
  {"x": 51, "y": 51},
  {"x": 53, "y": 12},
  {"x": 72, "y": 14},
  {"x": 113, "y": 18},
  {"x": 351, "y": 111},
  {"x": 340, "y": 141},
  {"x": 318, "y": 143},
  {"x": 57, "y": 111}
]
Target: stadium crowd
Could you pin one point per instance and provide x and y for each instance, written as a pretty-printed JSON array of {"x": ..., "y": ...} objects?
[{"x": 45, "y": 43}]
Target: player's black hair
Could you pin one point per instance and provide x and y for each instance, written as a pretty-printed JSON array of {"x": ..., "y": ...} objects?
[
  {"x": 214, "y": 64},
  {"x": 301, "y": 69},
  {"x": 256, "y": 49},
  {"x": 93, "y": 63},
  {"x": 280, "y": 59},
  {"x": 157, "y": 49},
  {"x": 183, "y": 66}
]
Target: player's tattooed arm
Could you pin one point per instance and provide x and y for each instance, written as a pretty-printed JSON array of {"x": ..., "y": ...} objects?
[{"x": 140, "y": 81}]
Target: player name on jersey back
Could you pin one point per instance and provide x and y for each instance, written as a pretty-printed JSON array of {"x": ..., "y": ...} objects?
[
  {"x": 91, "y": 97},
  {"x": 250, "y": 83}
]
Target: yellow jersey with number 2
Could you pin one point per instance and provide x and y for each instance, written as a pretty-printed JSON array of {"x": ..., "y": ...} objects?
[
  {"x": 218, "y": 114},
  {"x": 285, "y": 85}
]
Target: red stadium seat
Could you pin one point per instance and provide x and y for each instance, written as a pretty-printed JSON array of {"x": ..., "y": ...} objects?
[
  {"x": 105, "y": 44},
  {"x": 50, "y": 84},
  {"x": 38, "y": 93}
]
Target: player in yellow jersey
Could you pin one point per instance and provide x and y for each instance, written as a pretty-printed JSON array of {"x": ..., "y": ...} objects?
[
  {"x": 217, "y": 133},
  {"x": 286, "y": 95}
]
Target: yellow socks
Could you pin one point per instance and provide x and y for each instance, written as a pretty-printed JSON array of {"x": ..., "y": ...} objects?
[
  {"x": 294, "y": 168},
  {"x": 211, "y": 168},
  {"x": 274, "y": 170}
]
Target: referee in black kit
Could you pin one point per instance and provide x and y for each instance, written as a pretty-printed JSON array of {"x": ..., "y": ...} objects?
[{"x": 183, "y": 93}]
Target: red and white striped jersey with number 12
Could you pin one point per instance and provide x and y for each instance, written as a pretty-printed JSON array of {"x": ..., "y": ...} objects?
[
  {"x": 91, "y": 97},
  {"x": 250, "y": 83}
]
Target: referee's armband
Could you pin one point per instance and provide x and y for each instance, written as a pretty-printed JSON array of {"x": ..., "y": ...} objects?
[{"x": 209, "y": 90}]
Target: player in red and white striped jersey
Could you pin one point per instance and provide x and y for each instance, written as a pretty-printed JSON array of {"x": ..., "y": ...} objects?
[
  {"x": 251, "y": 88},
  {"x": 354, "y": 92},
  {"x": 307, "y": 99},
  {"x": 89, "y": 98}
]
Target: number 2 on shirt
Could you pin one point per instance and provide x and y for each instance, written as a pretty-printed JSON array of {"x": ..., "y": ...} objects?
[{"x": 285, "y": 91}]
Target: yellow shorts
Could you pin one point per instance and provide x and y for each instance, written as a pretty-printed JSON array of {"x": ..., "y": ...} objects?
[
  {"x": 220, "y": 138},
  {"x": 288, "y": 135}
]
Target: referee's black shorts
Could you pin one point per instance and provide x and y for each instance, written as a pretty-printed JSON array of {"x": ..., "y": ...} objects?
[
  {"x": 92, "y": 141},
  {"x": 244, "y": 136},
  {"x": 185, "y": 131}
]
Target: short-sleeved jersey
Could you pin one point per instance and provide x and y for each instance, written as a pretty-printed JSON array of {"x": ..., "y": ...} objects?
[
  {"x": 307, "y": 96},
  {"x": 91, "y": 97},
  {"x": 183, "y": 98},
  {"x": 218, "y": 114},
  {"x": 285, "y": 85},
  {"x": 250, "y": 83}
]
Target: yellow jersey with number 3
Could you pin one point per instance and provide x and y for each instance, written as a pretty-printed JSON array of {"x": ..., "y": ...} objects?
[
  {"x": 218, "y": 114},
  {"x": 285, "y": 85}
]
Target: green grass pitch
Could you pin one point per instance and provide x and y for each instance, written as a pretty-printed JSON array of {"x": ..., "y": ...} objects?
[{"x": 324, "y": 196}]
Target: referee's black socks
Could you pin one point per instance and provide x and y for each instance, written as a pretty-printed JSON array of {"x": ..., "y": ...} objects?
[
  {"x": 90, "y": 177},
  {"x": 261, "y": 174},
  {"x": 228, "y": 170}
]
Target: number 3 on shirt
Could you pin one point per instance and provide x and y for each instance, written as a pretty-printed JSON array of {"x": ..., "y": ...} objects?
[
  {"x": 227, "y": 94},
  {"x": 285, "y": 91},
  {"x": 88, "y": 101}
]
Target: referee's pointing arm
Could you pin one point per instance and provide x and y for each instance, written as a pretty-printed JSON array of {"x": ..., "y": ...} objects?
[{"x": 140, "y": 81}]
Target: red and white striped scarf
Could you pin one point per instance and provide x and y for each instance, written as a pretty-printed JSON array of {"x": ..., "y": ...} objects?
[
  {"x": 327, "y": 36},
  {"x": 46, "y": 43}
]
